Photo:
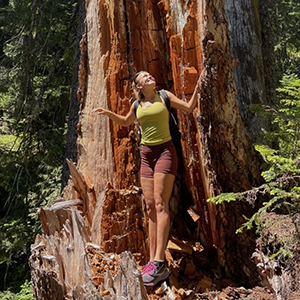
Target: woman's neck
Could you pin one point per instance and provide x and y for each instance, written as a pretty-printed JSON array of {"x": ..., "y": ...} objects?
[{"x": 149, "y": 95}]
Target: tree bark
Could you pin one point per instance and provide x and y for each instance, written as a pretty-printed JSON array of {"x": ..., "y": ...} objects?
[
  {"x": 176, "y": 41},
  {"x": 251, "y": 38},
  {"x": 267, "y": 17}
]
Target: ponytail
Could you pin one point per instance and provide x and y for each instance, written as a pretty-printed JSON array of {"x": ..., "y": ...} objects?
[{"x": 137, "y": 93}]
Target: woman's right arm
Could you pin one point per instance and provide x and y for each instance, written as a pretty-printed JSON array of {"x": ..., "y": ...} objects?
[{"x": 120, "y": 120}]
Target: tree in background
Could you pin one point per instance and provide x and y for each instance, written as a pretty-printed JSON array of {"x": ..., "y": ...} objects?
[
  {"x": 37, "y": 49},
  {"x": 283, "y": 113},
  {"x": 287, "y": 32}
]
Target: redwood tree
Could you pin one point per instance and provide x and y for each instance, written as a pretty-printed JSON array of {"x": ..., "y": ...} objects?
[{"x": 177, "y": 42}]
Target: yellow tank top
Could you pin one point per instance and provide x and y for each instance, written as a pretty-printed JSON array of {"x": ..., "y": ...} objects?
[{"x": 154, "y": 122}]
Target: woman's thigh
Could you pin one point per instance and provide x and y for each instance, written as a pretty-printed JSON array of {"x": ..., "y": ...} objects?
[
  {"x": 167, "y": 161},
  {"x": 148, "y": 190},
  {"x": 163, "y": 186},
  {"x": 158, "y": 159}
]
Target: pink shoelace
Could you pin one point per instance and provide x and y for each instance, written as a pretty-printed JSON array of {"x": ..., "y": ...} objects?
[{"x": 149, "y": 268}]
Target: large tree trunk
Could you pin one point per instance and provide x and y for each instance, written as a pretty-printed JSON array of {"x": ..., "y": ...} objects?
[
  {"x": 252, "y": 44},
  {"x": 176, "y": 41}
]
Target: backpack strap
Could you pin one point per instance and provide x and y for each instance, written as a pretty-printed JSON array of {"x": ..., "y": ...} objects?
[
  {"x": 163, "y": 94},
  {"x": 135, "y": 106},
  {"x": 166, "y": 98}
]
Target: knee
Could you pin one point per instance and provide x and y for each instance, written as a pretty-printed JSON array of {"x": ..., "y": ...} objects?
[
  {"x": 160, "y": 204},
  {"x": 150, "y": 208}
]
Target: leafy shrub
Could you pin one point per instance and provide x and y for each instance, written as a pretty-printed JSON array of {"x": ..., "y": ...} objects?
[{"x": 24, "y": 294}]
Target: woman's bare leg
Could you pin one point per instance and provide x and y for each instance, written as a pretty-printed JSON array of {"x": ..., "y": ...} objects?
[
  {"x": 163, "y": 186},
  {"x": 148, "y": 191}
]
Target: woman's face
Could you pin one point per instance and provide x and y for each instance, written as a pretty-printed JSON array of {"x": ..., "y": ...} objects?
[{"x": 145, "y": 79}]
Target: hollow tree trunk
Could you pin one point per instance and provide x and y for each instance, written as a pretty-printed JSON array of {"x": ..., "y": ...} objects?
[{"x": 176, "y": 41}]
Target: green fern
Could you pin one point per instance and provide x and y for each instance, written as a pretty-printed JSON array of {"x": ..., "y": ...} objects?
[
  {"x": 224, "y": 197},
  {"x": 283, "y": 161}
]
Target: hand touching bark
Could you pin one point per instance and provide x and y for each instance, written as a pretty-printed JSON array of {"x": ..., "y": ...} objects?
[
  {"x": 120, "y": 120},
  {"x": 102, "y": 111}
]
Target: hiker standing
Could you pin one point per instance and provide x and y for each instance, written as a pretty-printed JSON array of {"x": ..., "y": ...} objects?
[{"x": 158, "y": 164}]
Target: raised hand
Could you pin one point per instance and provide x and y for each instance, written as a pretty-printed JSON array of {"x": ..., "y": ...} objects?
[{"x": 101, "y": 111}]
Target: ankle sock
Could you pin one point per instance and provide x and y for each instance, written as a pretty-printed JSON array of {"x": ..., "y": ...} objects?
[{"x": 158, "y": 263}]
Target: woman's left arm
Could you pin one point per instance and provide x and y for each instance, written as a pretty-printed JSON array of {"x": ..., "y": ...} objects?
[{"x": 182, "y": 105}]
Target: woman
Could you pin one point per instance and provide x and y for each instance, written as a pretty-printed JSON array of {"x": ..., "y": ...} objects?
[{"x": 158, "y": 165}]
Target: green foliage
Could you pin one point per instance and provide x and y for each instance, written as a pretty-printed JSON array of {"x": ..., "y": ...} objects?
[
  {"x": 279, "y": 198},
  {"x": 287, "y": 32},
  {"x": 282, "y": 251},
  {"x": 281, "y": 148},
  {"x": 285, "y": 122},
  {"x": 24, "y": 294},
  {"x": 224, "y": 197},
  {"x": 277, "y": 165},
  {"x": 36, "y": 54},
  {"x": 280, "y": 163},
  {"x": 287, "y": 116}
]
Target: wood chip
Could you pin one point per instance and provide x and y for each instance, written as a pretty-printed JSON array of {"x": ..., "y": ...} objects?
[
  {"x": 179, "y": 246},
  {"x": 193, "y": 214}
]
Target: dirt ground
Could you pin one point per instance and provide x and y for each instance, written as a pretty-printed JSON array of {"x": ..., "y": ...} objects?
[
  {"x": 230, "y": 293},
  {"x": 277, "y": 257},
  {"x": 278, "y": 260}
]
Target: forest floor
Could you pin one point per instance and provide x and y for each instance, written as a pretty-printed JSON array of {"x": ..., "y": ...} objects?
[
  {"x": 278, "y": 254},
  {"x": 277, "y": 244}
]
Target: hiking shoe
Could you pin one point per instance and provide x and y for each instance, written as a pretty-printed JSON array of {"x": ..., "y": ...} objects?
[
  {"x": 146, "y": 268},
  {"x": 155, "y": 272}
]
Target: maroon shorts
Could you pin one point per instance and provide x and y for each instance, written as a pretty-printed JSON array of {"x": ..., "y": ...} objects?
[{"x": 158, "y": 159}]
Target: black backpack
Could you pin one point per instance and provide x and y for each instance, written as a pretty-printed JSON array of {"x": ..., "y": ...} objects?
[{"x": 173, "y": 123}]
